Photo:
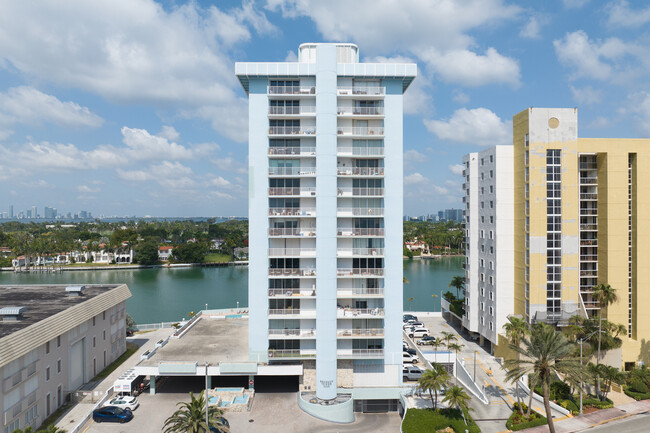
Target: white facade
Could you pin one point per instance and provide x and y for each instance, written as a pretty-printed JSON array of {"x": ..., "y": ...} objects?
[
  {"x": 489, "y": 197},
  {"x": 325, "y": 215}
]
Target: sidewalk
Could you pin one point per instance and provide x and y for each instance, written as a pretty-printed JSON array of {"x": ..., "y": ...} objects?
[
  {"x": 77, "y": 412},
  {"x": 593, "y": 419}
]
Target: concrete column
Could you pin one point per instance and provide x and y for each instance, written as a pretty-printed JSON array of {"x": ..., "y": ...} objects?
[{"x": 152, "y": 385}]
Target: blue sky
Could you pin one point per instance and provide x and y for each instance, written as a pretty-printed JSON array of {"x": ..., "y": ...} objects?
[{"x": 131, "y": 107}]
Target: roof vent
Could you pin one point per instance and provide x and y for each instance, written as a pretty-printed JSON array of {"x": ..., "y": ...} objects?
[
  {"x": 12, "y": 314},
  {"x": 75, "y": 290}
]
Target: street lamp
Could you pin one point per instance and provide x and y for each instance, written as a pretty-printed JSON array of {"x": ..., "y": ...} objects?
[
  {"x": 582, "y": 340},
  {"x": 206, "y": 307},
  {"x": 434, "y": 301},
  {"x": 207, "y": 400}
]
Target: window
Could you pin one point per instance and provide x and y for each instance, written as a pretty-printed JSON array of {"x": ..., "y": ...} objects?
[
  {"x": 491, "y": 265},
  {"x": 490, "y": 295},
  {"x": 47, "y": 347},
  {"x": 491, "y": 204},
  {"x": 94, "y": 342},
  {"x": 104, "y": 334},
  {"x": 482, "y": 219},
  {"x": 482, "y": 161},
  {"x": 491, "y": 174},
  {"x": 482, "y": 306},
  {"x": 482, "y": 234},
  {"x": 482, "y": 205},
  {"x": 482, "y": 262},
  {"x": 491, "y": 279},
  {"x": 482, "y": 248},
  {"x": 93, "y": 321},
  {"x": 482, "y": 291},
  {"x": 58, "y": 365},
  {"x": 491, "y": 189},
  {"x": 482, "y": 176},
  {"x": 491, "y": 250},
  {"x": 491, "y": 311},
  {"x": 482, "y": 190},
  {"x": 58, "y": 341},
  {"x": 491, "y": 234},
  {"x": 103, "y": 315},
  {"x": 491, "y": 326},
  {"x": 47, "y": 373},
  {"x": 491, "y": 158},
  {"x": 491, "y": 219}
]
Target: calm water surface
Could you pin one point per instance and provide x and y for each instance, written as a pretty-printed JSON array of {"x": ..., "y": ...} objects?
[{"x": 169, "y": 294}]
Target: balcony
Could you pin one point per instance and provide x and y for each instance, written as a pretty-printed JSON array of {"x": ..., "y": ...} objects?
[
  {"x": 361, "y": 111},
  {"x": 356, "y": 292},
  {"x": 359, "y": 252},
  {"x": 292, "y": 130},
  {"x": 360, "y": 353},
  {"x": 369, "y": 332},
  {"x": 305, "y": 110},
  {"x": 343, "y": 313},
  {"x": 292, "y": 272},
  {"x": 343, "y": 232},
  {"x": 360, "y": 151},
  {"x": 292, "y": 354},
  {"x": 589, "y": 242},
  {"x": 361, "y": 91},
  {"x": 302, "y": 191},
  {"x": 291, "y": 313},
  {"x": 360, "y": 171},
  {"x": 592, "y": 273},
  {"x": 359, "y": 211},
  {"x": 361, "y": 192},
  {"x": 588, "y": 166},
  {"x": 589, "y": 227},
  {"x": 588, "y": 257},
  {"x": 292, "y": 211},
  {"x": 291, "y": 333},
  {"x": 361, "y": 131},
  {"x": 292, "y": 171},
  {"x": 589, "y": 196},
  {"x": 292, "y": 252},
  {"x": 291, "y": 232},
  {"x": 292, "y": 90},
  {"x": 292, "y": 151},
  {"x": 360, "y": 272},
  {"x": 588, "y": 181},
  {"x": 291, "y": 293}
]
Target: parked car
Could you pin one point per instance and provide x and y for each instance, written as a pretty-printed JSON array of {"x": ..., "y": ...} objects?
[
  {"x": 407, "y": 358},
  {"x": 427, "y": 339},
  {"x": 411, "y": 372},
  {"x": 224, "y": 422},
  {"x": 112, "y": 414},
  {"x": 408, "y": 317},
  {"x": 410, "y": 351},
  {"x": 124, "y": 401},
  {"x": 129, "y": 333},
  {"x": 418, "y": 332}
]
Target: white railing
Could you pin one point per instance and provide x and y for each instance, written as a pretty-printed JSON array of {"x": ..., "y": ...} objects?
[
  {"x": 342, "y": 231},
  {"x": 303, "y": 191},
  {"x": 292, "y": 211},
  {"x": 292, "y": 232},
  {"x": 291, "y": 292},
  {"x": 292, "y": 130},
  {"x": 359, "y": 192},
  {"x": 354, "y": 312},
  {"x": 284, "y": 311},
  {"x": 360, "y": 171},
  {"x": 291, "y": 90},
  {"x": 292, "y": 171},
  {"x": 362, "y": 291},
  {"x": 360, "y": 353},
  {"x": 369, "y": 332},
  {"x": 360, "y": 151},
  {"x": 292, "y": 332},
  {"x": 589, "y": 196},
  {"x": 365, "y": 272},
  {"x": 292, "y": 272},
  {"x": 360, "y": 211},
  {"x": 361, "y": 111},
  {"x": 293, "y": 150},
  {"x": 360, "y": 130},
  {"x": 351, "y": 252},
  {"x": 292, "y": 110},
  {"x": 291, "y": 353},
  {"x": 366, "y": 91},
  {"x": 300, "y": 252}
]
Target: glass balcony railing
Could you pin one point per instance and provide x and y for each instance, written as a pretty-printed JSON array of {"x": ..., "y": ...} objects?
[
  {"x": 359, "y": 211},
  {"x": 292, "y": 111},
  {"x": 291, "y": 90},
  {"x": 356, "y": 312},
  {"x": 361, "y": 91},
  {"x": 291, "y": 293},
  {"x": 361, "y": 111},
  {"x": 360, "y": 130},
  {"x": 295, "y": 150},
  {"x": 292, "y": 211},
  {"x": 360, "y": 272},
  {"x": 292, "y": 130},
  {"x": 360, "y": 353},
  {"x": 292, "y": 171},
  {"x": 360, "y": 151},
  {"x": 356, "y": 252},
  {"x": 292, "y": 272},
  {"x": 292, "y": 353},
  {"x": 346, "y": 231},
  {"x": 367, "y": 332},
  {"x": 360, "y": 171},
  {"x": 291, "y": 252},
  {"x": 360, "y": 192},
  {"x": 292, "y": 333},
  {"x": 356, "y": 291},
  {"x": 294, "y": 232}
]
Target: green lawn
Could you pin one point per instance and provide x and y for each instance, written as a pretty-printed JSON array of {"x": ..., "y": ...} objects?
[
  {"x": 428, "y": 420},
  {"x": 217, "y": 258},
  {"x": 130, "y": 350}
]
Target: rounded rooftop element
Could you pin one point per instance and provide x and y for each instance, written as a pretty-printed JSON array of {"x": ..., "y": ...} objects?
[{"x": 346, "y": 52}]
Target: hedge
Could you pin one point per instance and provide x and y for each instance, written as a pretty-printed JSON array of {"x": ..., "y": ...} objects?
[
  {"x": 570, "y": 405},
  {"x": 594, "y": 402},
  {"x": 536, "y": 421},
  {"x": 636, "y": 395},
  {"x": 428, "y": 420}
]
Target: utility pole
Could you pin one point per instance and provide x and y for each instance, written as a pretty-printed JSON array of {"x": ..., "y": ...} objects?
[
  {"x": 475, "y": 366},
  {"x": 207, "y": 400}
]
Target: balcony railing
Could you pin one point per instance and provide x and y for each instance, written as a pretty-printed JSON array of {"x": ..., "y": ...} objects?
[
  {"x": 355, "y": 312},
  {"x": 292, "y": 171},
  {"x": 360, "y": 272},
  {"x": 360, "y": 171},
  {"x": 291, "y": 293},
  {"x": 590, "y": 227},
  {"x": 588, "y": 257},
  {"x": 588, "y": 212},
  {"x": 588, "y": 180},
  {"x": 365, "y": 91},
  {"x": 343, "y": 231},
  {"x": 292, "y": 110},
  {"x": 302, "y": 191},
  {"x": 284, "y": 311},
  {"x": 298, "y": 252},
  {"x": 292, "y": 130},
  {"x": 292, "y": 353},
  {"x": 589, "y": 242},
  {"x": 361, "y": 111},
  {"x": 292, "y": 232},
  {"x": 360, "y": 211},
  {"x": 589, "y": 274},
  {"x": 293, "y": 150},
  {"x": 588, "y": 166},
  {"x": 292, "y": 90},
  {"x": 292, "y": 333},
  {"x": 369, "y": 332},
  {"x": 292, "y": 272},
  {"x": 355, "y": 252},
  {"x": 355, "y": 291},
  {"x": 588, "y": 196},
  {"x": 360, "y": 353},
  {"x": 292, "y": 211},
  {"x": 360, "y": 151},
  {"x": 360, "y": 130},
  {"x": 360, "y": 192}
]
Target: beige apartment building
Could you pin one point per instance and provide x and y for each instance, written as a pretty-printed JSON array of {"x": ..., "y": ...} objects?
[{"x": 54, "y": 339}]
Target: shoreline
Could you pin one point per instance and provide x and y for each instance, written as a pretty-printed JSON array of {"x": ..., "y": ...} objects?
[{"x": 57, "y": 269}]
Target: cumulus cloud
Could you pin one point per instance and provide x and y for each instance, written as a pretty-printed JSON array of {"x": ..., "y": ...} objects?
[
  {"x": 30, "y": 106},
  {"x": 456, "y": 168},
  {"x": 639, "y": 105},
  {"x": 532, "y": 28},
  {"x": 414, "y": 156},
  {"x": 142, "y": 145},
  {"x": 621, "y": 15},
  {"x": 586, "y": 95},
  {"x": 86, "y": 189},
  {"x": 169, "y": 132},
  {"x": 220, "y": 182},
  {"x": 415, "y": 179},
  {"x": 435, "y": 32},
  {"x": 478, "y": 126},
  {"x": 171, "y": 175}
]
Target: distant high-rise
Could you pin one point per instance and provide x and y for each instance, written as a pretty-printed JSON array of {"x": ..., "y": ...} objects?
[{"x": 11, "y": 211}]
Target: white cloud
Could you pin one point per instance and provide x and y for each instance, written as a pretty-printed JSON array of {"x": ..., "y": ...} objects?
[
  {"x": 414, "y": 156},
  {"x": 169, "y": 132},
  {"x": 587, "y": 95},
  {"x": 620, "y": 15},
  {"x": 478, "y": 126},
  {"x": 532, "y": 28},
  {"x": 229, "y": 163},
  {"x": 28, "y": 105},
  {"x": 142, "y": 145},
  {"x": 86, "y": 189},
  {"x": 135, "y": 51},
  {"x": 436, "y": 32},
  {"x": 220, "y": 182},
  {"x": 456, "y": 168},
  {"x": 460, "y": 97},
  {"x": 639, "y": 104},
  {"x": 415, "y": 179},
  {"x": 170, "y": 175},
  {"x": 291, "y": 56}
]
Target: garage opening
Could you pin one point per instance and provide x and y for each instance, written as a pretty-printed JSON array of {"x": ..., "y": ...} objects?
[
  {"x": 271, "y": 384},
  {"x": 376, "y": 406}
]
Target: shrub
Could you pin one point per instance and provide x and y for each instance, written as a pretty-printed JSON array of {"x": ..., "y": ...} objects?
[
  {"x": 428, "y": 420},
  {"x": 560, "y": 391},
  {"x": 518, "y": 422},
  {"x": 570, "y": 405},
  {"x": 595, "y": 402},
  {"x": 636, "y": 395},
  {"x": 637, "y": 385}
]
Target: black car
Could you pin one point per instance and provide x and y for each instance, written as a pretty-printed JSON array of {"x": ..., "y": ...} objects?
[
  {"x": 427, "y": 339},
  {"x": 112, "y": 414},
  {"x": 408, "y": 317},
  {"x": 410, "y": 350}
]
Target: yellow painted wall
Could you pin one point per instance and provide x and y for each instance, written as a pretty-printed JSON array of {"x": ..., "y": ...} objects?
[{"x": 519, "y": 131}]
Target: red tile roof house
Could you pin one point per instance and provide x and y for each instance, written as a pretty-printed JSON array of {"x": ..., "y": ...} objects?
[{"x": 165, "y": 252}]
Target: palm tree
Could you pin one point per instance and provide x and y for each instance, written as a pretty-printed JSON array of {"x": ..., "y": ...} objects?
[
  {"x": 546, "y": 353},
  {"x": 434, "y": 380},
  {"x": 410, "y": 301},
  {"x": 516, "y": 329},
  {"x": 457, "y": 282},
  {"x": 457, "y": 397},
  {"x": 605, "y": 295},
  {"x": 190, "y": 417}
]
